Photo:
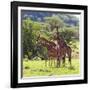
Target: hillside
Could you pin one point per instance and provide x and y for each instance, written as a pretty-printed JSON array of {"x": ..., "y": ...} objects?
[{"x": 69, "y": 19}]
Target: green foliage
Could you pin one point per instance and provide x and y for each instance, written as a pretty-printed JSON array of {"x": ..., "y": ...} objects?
[
  {"x": 36, "y": 58},
  {"x": 36, "y": 26},
  {"x": 69, "y": 34},
  {"x": 30, "y": 31},
  {"x": 27, "y": 35},
  {"x": 54, "y": 22}
]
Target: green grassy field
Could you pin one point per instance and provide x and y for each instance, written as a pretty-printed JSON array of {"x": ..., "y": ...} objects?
[{"x": 38, "y": 68}]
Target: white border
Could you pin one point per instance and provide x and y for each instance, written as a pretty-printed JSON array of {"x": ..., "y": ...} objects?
[{"x": 53, "y": 78}]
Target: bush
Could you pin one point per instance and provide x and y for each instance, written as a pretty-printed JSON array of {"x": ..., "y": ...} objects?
[
  {"x": 69, "y": 34},
  {"x": 36, "y": 58}
]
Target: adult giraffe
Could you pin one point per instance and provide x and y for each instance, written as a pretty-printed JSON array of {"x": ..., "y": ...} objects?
[{"x": 64, "y": 49}]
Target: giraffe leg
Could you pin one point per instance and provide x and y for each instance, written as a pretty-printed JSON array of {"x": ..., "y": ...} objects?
[
  {"x": 70, "y": 61},
  {"x": 58, "y": 62},
  {"x": 64, "y": 61}
]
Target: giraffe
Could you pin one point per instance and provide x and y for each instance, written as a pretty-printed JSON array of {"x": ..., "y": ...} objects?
[{"x": 64, "y": 49}]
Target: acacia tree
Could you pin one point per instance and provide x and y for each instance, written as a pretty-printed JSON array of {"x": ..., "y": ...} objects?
[{"x": 54, "y": 22}]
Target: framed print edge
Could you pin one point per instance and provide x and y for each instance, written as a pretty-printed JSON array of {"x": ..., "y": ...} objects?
[
  {"x": 86, "y": 44},
  {"x": 14, "y": 44},
  {"x": 14, "y": 50}
]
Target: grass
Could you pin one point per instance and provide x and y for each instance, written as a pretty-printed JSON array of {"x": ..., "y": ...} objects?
[{"x": 38, "y": 68}]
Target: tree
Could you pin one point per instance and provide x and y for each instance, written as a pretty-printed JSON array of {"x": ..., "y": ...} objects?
[
  {"x": 27, "y": 36},
  {"x": 54, "y": 22},
  {"x": 30, "y": 31},
  {"x": 69, "y": 34}
]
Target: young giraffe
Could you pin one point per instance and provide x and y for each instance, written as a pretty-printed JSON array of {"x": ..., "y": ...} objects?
[{"x": 51, "y": 47}]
